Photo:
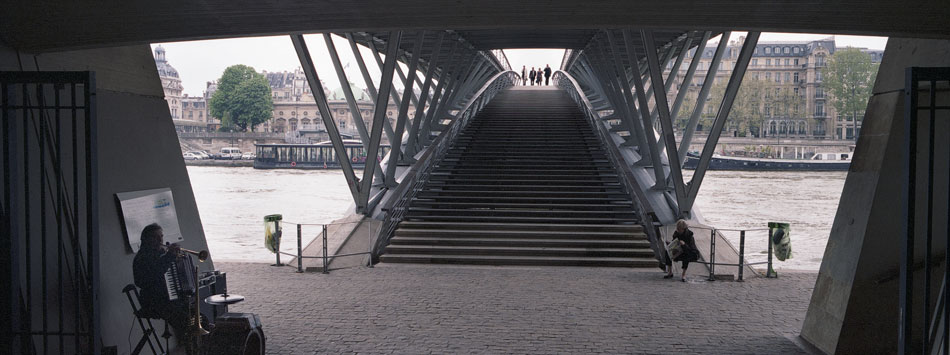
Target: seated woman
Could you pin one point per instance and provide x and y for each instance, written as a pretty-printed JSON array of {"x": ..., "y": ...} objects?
[{"x": 689, "y": 253}]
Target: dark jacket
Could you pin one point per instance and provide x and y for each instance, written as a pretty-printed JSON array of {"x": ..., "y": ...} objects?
[
  {"x": 690, "y": 252},
  {"x": 533, "y": 73},
  {"x": 547, "y": 72},
  {"x": 148, "y": 270}
]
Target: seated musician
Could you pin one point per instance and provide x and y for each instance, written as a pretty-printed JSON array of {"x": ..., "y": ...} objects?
[{"x": 148, "y": 269}]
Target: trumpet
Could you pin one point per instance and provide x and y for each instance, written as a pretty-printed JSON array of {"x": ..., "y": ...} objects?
[{"x": 202, "y": 255}]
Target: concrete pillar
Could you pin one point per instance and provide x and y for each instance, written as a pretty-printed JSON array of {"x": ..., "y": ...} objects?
[
  {"x": 854, "y": 306},
  {"x": 138, "y": 150}
]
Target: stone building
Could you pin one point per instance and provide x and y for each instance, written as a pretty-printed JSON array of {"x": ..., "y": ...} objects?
[
  {"x": 796, "y": 105},
  {"x": 171, "y": 84}
]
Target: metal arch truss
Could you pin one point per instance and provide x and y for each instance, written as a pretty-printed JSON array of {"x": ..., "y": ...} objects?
[
  {"x": 444, "y": 66},
  {"x": 620, "y": 76}
]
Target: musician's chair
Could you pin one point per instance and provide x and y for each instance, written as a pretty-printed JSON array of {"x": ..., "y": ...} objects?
[{"x": 148, "y": 333}]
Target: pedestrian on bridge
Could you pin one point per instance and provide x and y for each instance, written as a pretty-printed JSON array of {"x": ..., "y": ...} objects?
[
  {"x": 689, "y": 253},
  {"x": 547, "y": 75},
  {"x": 524, "y": 78},
  {"x": 531, "y": 76}
]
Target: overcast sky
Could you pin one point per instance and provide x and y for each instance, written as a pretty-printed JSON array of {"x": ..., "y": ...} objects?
[{"x": 198, "y": 62}]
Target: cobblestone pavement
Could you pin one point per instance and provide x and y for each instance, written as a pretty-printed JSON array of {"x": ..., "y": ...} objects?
[{"x": 410, "y": 309}]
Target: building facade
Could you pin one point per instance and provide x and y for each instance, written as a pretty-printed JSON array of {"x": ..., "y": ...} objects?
[
  {"x": 795, "y": 104},
  {"x": 295, "y": 111}
]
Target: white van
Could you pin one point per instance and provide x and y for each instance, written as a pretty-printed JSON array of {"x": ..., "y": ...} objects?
[{"x": 230, "y": 153}]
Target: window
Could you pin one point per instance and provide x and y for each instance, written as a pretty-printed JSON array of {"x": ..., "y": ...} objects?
[
  {"x": 786, "y": 61},
  {"x": 305, "y": 113},
  {"x": 342, "y": 124},
  {"x": 818, "y": 75},
  {"x": 796, "y": 62},
  {"x": 786, "y": 50},
  {"x": 768, "y": 50},
  {"x": 281, "y": 113},
  {"x": 778, "y": 77},
  {"x": 768, "y": 62},
  {"x": 796, "y": 91},
  {"x": 768, "y": 76},
  {"x": 795, "y": 79},
  {"x": 778, "y": 50},
  {"x": 797, "y": 49},
  {"x": 768, "y": 111},
  {"x": 820, "y": 61},
  {"x": 755, "y": 62},
  {"x": 819, "y": 92},
  {"x": 787, "y": 77},
  {"x": 820, "y": 109}
]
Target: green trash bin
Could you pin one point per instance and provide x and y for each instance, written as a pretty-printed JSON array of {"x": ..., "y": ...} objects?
[{"x": 272, "y": 234}]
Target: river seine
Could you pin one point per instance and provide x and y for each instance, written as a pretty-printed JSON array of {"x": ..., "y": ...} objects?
[{"x": 233, "y": 202}]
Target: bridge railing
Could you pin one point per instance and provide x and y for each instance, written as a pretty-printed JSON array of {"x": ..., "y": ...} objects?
[
  {"x": 398, "y": 203},
  {"x": 647, "y": 215}
]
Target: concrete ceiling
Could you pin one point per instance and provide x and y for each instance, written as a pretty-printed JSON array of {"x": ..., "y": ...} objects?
[{"x": 50, "y": 25}]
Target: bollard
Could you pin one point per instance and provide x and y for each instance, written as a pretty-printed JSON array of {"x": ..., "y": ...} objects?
[
  {"x": 325, "y": 263},
  {"x": 741, "y": 253},
  {"x": 712, "y": 255},
  {"x": 369, "y": 239},
  {"x": 299, "y": 250},
  {"x": 769, "y": 273}
]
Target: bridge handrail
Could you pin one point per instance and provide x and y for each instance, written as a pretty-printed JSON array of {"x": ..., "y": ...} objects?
[
  {"x": 418, "y": 174},
  {"x": 567, "y": 82}
]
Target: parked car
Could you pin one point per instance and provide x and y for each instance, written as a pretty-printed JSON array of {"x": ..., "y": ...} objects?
[
  {"x": 230, "y": 153},
  {"x": 198, "y": 154},
  {"x": 248, "y": 156},
  {"x": 190, "y": 156}
]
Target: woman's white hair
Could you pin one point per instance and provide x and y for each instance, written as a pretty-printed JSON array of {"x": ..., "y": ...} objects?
[{"x": 681, "y": 224}]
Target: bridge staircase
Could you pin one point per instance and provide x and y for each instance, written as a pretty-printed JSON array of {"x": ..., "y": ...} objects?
[{"x": 526, "y": 183}]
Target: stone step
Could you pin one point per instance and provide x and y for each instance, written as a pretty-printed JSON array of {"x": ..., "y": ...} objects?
[
  {"x": 519, "y": 260},
  {"x": 556, "y": 227},
  {"x": 577, "y": 234},
  {"x": 523, "y": 251}
]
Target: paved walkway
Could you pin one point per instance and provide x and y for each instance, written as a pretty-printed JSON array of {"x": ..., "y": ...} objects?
[{"x": 409, "y": 309}]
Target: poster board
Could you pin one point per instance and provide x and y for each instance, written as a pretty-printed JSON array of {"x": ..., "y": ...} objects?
[{"x": 141, "y": 208}]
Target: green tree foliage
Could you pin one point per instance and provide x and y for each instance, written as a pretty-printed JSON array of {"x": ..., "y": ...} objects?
[
  {"x": 849, "y": 77},
  {"x": 747, "y": 114},
  {"x": 243, "y": 99}
]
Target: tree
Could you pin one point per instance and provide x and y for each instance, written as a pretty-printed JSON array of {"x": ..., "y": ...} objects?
[
  {"x": 243, "y": 98},
  {"x": 849, "y": 77},
  {"x": 747, "y": 109}
]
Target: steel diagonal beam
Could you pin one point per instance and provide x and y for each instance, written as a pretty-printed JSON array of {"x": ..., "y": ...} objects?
[
  {"x": 379, "y": 61},
  {"x": 600, "y": 68},
  {"x": 412, "y": 143},
  {"x": 300, "y": 45},
  {"x": 379, "y": 115},
  {"x": 395, "y": 150},
  {"x": 663, "y": 109},
  {"x": 629, "y": 110},
  {"x": 703, "y": 93},
  {"x": 645, "y": 112},
  {"x": 445, "y": 77},
  {"x": 742, "y": 63},
  {"x": 370, "y": 86},
  {"x": 668, "y": 84},
  {"x": 454, "y": 81},
  {"x": 687, "y": 80},
  {"x": 350, "y": 100}
]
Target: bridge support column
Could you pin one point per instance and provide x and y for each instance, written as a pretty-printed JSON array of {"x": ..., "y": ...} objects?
[{"x": 854, "y": 307}]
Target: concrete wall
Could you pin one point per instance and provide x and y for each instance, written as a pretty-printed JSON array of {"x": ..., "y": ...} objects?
[
  {"x": 854, "y": 307},
  {"x": 138, "y": 150}
]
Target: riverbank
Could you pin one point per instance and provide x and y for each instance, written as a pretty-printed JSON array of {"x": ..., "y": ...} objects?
[{"x": 216, "y": 162}]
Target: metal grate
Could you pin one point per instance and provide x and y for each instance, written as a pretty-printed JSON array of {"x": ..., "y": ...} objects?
[
  {"x": 49, "y": 213},
  {"x": 925, "y": 89}
]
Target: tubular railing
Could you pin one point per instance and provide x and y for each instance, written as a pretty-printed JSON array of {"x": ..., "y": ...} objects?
[
  {"x": 324, "y": 232},
  {"x": 566, "y": 82},
  {"x": 717, "y": 234},
  {"x": 419, "y": 173}
]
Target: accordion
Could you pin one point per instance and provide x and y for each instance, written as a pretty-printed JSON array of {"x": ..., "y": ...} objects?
[{"x": 180, "y": 278}]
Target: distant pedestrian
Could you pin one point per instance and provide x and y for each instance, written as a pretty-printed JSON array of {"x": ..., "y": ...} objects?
[
  {"x": 540, "y": 76},
  {"x": 524, "y": 78},
  {"x": 547, "y": 75},
  {"x": 682, "y": 240},
  {"x": 531, "y": 76}
]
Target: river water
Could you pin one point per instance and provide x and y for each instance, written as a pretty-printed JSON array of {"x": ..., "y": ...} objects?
[{"x": 233, "y": 202}]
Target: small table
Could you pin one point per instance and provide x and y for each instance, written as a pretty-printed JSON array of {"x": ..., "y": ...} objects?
[{"x": 223, "y": 299}]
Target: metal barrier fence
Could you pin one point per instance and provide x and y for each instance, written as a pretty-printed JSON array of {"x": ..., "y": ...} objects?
[
  {"x": 716, "y": 233},
  {"x": 371, "y": 230}
]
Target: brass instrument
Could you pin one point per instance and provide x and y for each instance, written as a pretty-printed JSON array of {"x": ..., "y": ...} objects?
[{"x": 202, "y": 255}]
